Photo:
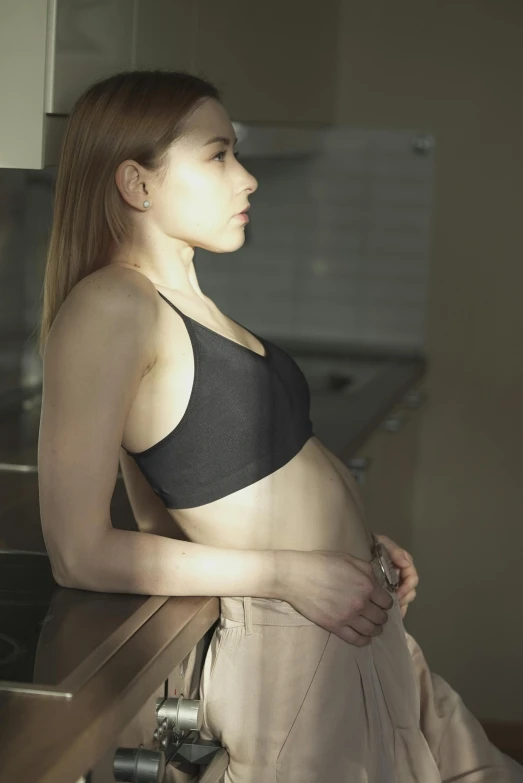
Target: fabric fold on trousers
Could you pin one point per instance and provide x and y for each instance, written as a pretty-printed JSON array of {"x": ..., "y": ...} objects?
[
  {"x": 455, "y": 736},
  {"x": 293, "y": 703}
]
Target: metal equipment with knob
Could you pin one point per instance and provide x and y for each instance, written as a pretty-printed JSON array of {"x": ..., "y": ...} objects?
[
  {"x": 139, "y": 765},
  {"x": 175, "y": 739}
]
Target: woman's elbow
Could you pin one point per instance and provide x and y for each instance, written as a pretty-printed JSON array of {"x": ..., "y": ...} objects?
[
  {"x": 69, "y": 570},
  {"x": 66, "y": 574}
]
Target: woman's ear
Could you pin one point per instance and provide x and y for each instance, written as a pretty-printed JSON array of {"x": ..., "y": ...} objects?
[{"x": 131, "y": 181}]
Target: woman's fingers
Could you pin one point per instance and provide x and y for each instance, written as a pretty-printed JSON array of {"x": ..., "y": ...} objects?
[
  {"x": 404, "y": 563},
  {"x": 375, "y": 614},
  {"x": 399, "y": 556},
  {"x": 409, "y": 580},
  {"x": 351, "y": 636},
  {"x": 408, "y": 598},
  {"x": 365, "y": 627}
]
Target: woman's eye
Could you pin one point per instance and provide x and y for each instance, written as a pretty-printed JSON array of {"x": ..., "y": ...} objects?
[{"x": 224, "y": 152}]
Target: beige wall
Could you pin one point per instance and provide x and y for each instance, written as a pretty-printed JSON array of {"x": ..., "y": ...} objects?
[{"x": 456, "y": 68}]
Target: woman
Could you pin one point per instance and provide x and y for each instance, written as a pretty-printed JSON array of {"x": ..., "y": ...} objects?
[{"x": 309, "y": 676}]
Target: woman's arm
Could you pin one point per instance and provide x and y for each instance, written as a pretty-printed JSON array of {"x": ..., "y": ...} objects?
[
  {"x": 122, "y": 561},
  {"x": 150, "y": 514},
  {"x": 97, "y": 352}
]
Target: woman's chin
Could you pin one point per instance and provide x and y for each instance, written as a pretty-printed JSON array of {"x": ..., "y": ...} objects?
[
  {"x": 231, "y": 245},
  {"x": 228, "y": 244},
  {"x": 239, "y": 241}
]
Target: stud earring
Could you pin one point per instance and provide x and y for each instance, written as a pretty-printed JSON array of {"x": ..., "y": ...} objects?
[{"x": 146, "y": 204}]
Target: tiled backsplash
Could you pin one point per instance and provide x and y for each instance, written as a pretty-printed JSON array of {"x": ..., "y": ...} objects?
[
  {"x": 337, "y": 250},
  {"x": 338, "y": 245}
]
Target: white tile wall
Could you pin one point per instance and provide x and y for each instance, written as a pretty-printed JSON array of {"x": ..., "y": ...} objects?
[{"x": 338, "y": 245}]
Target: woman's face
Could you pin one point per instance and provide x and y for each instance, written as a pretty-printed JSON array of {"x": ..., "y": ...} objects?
[{"x": 205, "y": 186}]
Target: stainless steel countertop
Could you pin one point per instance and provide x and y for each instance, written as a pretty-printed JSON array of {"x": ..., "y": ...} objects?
[{"x": 55, "y": 740}]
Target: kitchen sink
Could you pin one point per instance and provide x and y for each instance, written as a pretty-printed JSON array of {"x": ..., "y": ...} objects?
[{"x": 331, "y": 375}]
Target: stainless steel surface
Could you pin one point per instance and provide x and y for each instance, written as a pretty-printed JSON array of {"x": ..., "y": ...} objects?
[
  {"x": 344, "y": 420},
  {"x": 328, "y": 375},
  {"x": 139, "y": 765},
  {"x": 64, "y": 637},
  {"x": 110, "y": 646},
  {"x": 181, "y": 713},
  {"x": 69, "y": 736},
  {"x": 13, "y": 468}
]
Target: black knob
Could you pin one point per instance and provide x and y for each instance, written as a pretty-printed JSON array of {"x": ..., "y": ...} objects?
[{"x": 138, "y": 765}]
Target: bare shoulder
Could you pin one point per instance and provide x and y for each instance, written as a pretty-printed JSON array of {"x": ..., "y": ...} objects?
[
  {"x": 95, "y": 358},
  {"x": 112, "y": 305},
  {"x": 115, "y": 289}
]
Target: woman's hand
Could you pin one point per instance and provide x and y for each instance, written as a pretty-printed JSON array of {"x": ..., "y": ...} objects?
[
  {"x": 336, "y": 591},
  {"x": 409, "y": 578}
]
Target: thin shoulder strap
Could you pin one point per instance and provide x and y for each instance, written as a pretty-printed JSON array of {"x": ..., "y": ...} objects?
[{"x": 173, "y": 305}]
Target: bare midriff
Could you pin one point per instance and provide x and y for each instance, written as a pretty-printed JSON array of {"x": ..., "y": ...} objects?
[{"x": 310, "y": 503}]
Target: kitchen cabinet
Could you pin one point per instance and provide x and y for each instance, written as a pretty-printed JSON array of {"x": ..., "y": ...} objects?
[
  {"x": 86, "y": 42},
  {"x": 94, "y": 40},
  {"x": 52, "y": 50},
  {"x": 391, "y": 455},
  {"x": 165, "y": 34},
  {"x": 273, "y": 61}
]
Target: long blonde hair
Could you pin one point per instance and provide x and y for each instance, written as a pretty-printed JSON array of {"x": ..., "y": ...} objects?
[{"x": 134, "y": 115}]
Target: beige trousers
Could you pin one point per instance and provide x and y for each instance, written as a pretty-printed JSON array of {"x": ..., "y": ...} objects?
[
  {"x": 456, "y": 738},
  {"x": 293, "y": 703}
]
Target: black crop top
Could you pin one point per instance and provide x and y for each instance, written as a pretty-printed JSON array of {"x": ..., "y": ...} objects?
[{"x": 247, "y": 416}]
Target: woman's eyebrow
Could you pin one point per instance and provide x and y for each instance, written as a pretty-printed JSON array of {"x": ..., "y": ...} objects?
[{"x": 223, "y": 139}]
